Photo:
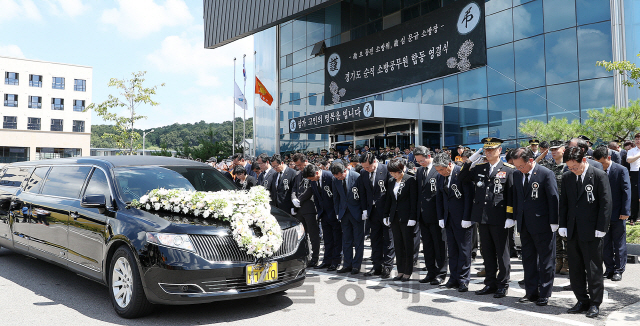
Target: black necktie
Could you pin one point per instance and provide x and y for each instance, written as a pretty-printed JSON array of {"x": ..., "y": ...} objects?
[
  {"x": 372, "y": 177},
  {"x": 344, "y": 184},
  {"x": 279, "y": 178},
  {"x": 579, "y": 182},
  {"x": 526, "y": 179},
  {"x": 446, "y": 184}
]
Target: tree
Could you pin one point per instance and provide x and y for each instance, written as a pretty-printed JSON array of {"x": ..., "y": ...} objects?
[
  {"x": 132, "y": 95},
  {"x": 625, "y": 68}
]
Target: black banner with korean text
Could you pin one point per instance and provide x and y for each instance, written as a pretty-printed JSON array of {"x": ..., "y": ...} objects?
[
  {"x": 331, "y": 117},
  {"x": 449, "y": 40}
]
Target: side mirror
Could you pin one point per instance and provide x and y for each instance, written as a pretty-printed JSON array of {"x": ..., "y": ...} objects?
[{"x": 94, "y": 201}]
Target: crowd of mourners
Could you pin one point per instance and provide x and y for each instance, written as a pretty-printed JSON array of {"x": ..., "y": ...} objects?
[{"x": 569, "y": 202}]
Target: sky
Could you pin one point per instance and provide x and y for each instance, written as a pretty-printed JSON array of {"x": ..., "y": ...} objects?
[{"x": 118, "y": 37}]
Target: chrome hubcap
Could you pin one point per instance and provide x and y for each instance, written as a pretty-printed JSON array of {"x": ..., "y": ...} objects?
[{"x": 121, "y": 282}]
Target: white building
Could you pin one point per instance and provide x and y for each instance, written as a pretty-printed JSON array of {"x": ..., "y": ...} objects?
[{"x": 42, "y": 110}]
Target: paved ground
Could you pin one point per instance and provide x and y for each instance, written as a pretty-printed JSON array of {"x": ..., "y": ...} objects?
[{"x": 35, "y": 292}]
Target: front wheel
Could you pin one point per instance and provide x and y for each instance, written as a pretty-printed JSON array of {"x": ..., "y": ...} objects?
[{"x": 125, "y": 286}]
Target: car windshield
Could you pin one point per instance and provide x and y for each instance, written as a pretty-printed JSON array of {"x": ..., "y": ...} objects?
[{"x": 135, "y": 182}]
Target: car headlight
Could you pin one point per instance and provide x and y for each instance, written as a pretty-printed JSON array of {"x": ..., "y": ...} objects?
[
  {"x": 299, "y": 231},
  {"x": 180, "y": 241}
]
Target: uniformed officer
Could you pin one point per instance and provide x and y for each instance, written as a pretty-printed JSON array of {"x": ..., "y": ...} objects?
[
  {"x": 533, "y": 144},
  {"x": 493, "y": 210}
]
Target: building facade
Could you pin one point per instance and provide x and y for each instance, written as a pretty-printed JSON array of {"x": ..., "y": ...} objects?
[
  {"x": 540, "y": 63},
  {"x": 43, "y": 110}
]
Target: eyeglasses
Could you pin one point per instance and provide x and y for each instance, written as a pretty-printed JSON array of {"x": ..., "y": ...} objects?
[{"x": 576, "y": 169}]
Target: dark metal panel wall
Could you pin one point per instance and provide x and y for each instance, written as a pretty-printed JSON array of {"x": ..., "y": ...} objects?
[{"x": 228, "y": 20}]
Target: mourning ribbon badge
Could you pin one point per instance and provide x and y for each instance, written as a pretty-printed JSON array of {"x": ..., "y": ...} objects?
[
  {"x": 534, "y": 190},
  {"x": 356, "y": 196},
  {"x": 381, "y": 184},
  {"x": 498, "y": 186},
  {"x": 329, "y": 193},
  {"x": 456, "y": 191},
  {"x": 433, "y": 184},
  {"x": 590, "y": 197}
]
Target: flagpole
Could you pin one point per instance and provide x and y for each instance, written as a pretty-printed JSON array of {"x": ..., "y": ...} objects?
[
  {"x": 233, "y": 128},
  {"x": 255, "y": 73},
  {"x": 244, "y": 111}
]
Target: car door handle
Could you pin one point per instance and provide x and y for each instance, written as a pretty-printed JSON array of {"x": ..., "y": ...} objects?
[{"x": 74, "y": 216}]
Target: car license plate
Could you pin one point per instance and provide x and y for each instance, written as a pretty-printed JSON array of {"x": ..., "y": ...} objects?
[{"x": 262, "y": 273}]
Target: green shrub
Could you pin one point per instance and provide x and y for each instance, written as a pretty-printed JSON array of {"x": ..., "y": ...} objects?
[{"x": 633, "y": 234}]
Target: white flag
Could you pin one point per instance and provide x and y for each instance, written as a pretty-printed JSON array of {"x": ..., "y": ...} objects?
[{"x": 239, "y": 98}]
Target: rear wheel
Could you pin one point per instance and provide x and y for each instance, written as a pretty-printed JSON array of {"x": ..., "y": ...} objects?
[{"x": 125, "y": 286}]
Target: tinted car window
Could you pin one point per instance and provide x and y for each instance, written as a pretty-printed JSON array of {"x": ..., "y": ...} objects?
[
  {"x": 66, "y": 181},
  {"x": 13, "y": 177},
  {"x": 98, "y": 185},
  {"x": 135, "y": 182},
  {"x": 37, "y": 178}
]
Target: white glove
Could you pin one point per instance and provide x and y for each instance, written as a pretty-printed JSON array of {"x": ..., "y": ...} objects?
[
  {"x": 296, "y": 202},
  {"x": 562, "y": 232},
  {"x": 600, "y": 234},
  {"x": 411, "y": 223},
  {"x": 476, "y": 155},
  {"x": 466, "y": 224},
  {"x": 338, "y": 217},
  {"x": 364, "y": 216},
  {"x": 387, "y": 221},
  {"x": 441, "y": 224},
  {"x": 293, "y": 211},
  {"x": 509, "y": 223},
  {"x": 554, "y": 227}
]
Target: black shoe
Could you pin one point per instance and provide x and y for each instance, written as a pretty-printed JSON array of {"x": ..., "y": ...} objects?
[
  {"x": 437, "y": 281},
  {"x": 323, "y": 265},
  {"x": 501, "y": 293},
  {"x": 312, "y": 263},
  {"x": 542, "y": 302},
  {"x": 617, "y": 277},
  {"x": 486, "y": 290},
  {"x": 344, "y": 270},
  {"x": 578, "y": 308},
  {"x": 386, "y": 272},
  {"x": 397, "y": 278},
  {"x": 463, "y": 288},
  {"x": 355, "y": 271},
  {"x": 567, "y": 287},
  {"x": 373, "y": 271},
  {"x": 521, "y": 282},
  {"x": 593, "y": 312},
  {"x": 427, "y": 279},
  {"x": 608, "y": 275},
  {"x": 332, "y": 268},
  {"x": 528, "y": 299},
  {"x": 451, "y": 285}
]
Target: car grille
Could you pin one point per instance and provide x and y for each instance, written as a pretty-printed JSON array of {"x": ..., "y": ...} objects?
[
  {"x": 240, "y": 283},
  {"x": 225, "y": 248}
]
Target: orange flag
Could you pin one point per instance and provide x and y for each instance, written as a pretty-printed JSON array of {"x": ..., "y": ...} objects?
[{"x": 263, "y": 92}]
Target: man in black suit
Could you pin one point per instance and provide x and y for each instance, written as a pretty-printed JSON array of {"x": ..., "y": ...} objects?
[
  {"x": 239, "y": 159},
  {"x": 535, "y": 193},
  {"x": 349, "y": 203},
  {"x": 454, "y": 200},
  {"x": 243, "y": 181},
  {"x": 323, "y": 193},
  {"x": 493, "y": 210},
  {"x": 584, "y": 146},
  {"x": 585, "y": 212},
  {"x": 615, "y": 242},
  {"x": 302, "y": 199},
  {"x": 375, "y": 178},
  {"x": 266, "y": 177},
  {"x": 434, "y": 245},
  {"x": 282, "y": 184}
]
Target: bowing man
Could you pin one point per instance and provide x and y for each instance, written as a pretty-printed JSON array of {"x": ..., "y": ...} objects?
[
  {"x": 349, "y": 201},
  {"x": 323, "y": 193},
  {"x": 434, "y": 245},
  {"x": 266, "y": 176},
  {"x": 243, "y": 181},
  {"x": 282, "y": 184},
  {"x": 454, "y": 200},
  {"x": 402, "y": 217},
  {"x": 615, "y": 242},
  {"x": 536, "y": 210},
  {"x": 585, "y": 213},
  {"x": 302, "y": 199}
]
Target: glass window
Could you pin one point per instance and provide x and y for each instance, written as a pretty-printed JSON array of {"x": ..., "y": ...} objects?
[
  {"x": 472, "y": 84},
  {"x": 11, "y": 100},
  {"x": 34, "y": 124},
  {"x": 358, "y": 12},
  {"x": 80, "y": 85},
  {"x": 502, "y": 116},
  {"x": 452, "y": 134},
  {"x": 34, "y": 183},
  {"x": 315, "y": 27},
  {"x": 66, "y": 181},
  {"x": 391, "y": 6},
  {"x": 596, "y": 94},
  {"x": 11, "y": 78},
  {"x": 299, "y": 34},
  {"x": 56, "y": 124},
  {"x": 299, "y": 69},
  {"x": 499, "y": 28},
  {"x": 500, "y": 73},
  {"x": 315, "y": 63},
  {"x": 592, "y": 11},
  {"x": 563, "y": 101},
  {"x": 35, "y": 81},
  {"x": 35, "y": 102},
  {"x": 527, "y": 20},
  {"x": 78, "y": 105},
  {"x": 529, "y": 61},
  {"x": 432, "y": 92},
  {"x": 10, "y": 122},
  {"x": 473, "y": 120},
  {"x": 531, "y": 105},
  {"x": 57, "y": 104},
  {"x": 98, "y": 185},
  {"x": 393, "y": 96},
  {"x": 451, "y": 89},
  {"x": 13, "y": 177},
  {"x": 559, "y": 14},
  {"x": 286, "y": 39},
  {"x": 374, "y": 27},
  {"x": 494, "y": 6},
  {"x": 285, "y": 91},
  {"x": 332, "y": 26},
  {"x": 594, "y": 44},
  {"x": 78, "y": 126},
  {"x": 561, "y": 49},
  {"x": 57, "y": 83},
  {"x": 300, "y": 86},
  {"x": 412, "y": 94},
  {"x": 286, "y": 73},
  {"x": 301, "y": 55},
  {"x": 375, "y": 9},
  {"x": 410, "y": 13}
]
